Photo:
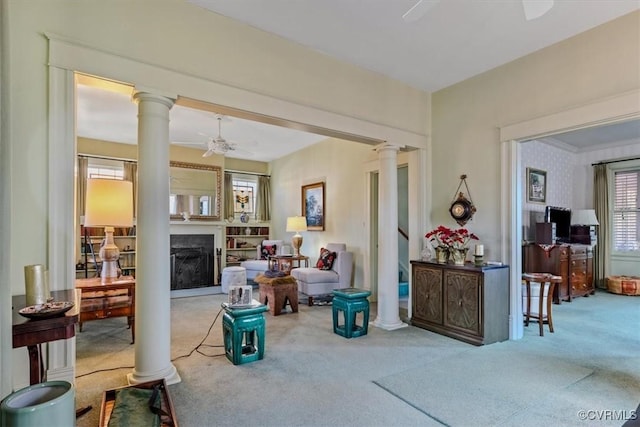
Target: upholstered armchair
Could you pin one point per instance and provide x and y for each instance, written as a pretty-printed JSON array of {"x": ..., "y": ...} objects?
[
  {"x": 313, "y": 281},
  {"x": 261, "y": 263}
]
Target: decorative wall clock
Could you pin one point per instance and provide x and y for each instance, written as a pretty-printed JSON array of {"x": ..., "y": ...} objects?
[{"x": 462, "y": 209}]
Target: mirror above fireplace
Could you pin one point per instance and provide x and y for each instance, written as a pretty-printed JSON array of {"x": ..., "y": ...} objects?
[{"x": 195, "y": 191}]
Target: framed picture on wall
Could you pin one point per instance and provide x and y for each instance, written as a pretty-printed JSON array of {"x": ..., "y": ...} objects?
[
  {"x": 313, "y": 207},
  {"x": 536, "y": 186}
]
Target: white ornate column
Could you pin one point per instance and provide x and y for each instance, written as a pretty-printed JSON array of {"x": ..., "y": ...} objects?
[
  {"x": 388, "y": 308},
  {"x": 153, "y": 297}
]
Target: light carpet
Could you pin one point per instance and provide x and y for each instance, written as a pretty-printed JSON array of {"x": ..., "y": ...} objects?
[{"x": 486, "y": 386}]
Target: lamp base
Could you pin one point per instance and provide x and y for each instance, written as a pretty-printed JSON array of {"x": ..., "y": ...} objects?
[
  {"x": 109, "y": 254},
  {"x": 296, "y": 242}
]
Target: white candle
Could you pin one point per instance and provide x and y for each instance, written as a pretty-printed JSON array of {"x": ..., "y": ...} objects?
[{"x": 479, "y": 250}]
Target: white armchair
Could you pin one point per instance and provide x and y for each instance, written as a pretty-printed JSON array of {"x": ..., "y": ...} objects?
[
  {"x": 313, "y": 281},
  {"x": 258, "y": 265}
]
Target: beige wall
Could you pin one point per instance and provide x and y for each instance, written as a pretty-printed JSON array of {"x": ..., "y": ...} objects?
[
  {"x": 340, "y": 165},
  {"x": 466, "y": 118}
]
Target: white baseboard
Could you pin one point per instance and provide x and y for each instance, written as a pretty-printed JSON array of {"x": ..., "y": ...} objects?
[{"x": 62, "y": 374}]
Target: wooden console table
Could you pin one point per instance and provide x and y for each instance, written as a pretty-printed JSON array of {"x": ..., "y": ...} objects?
[
  {"x": 114, "y": 298},
  {"x": 466, "y": 302},
  {"x": 31, "y": 333}
]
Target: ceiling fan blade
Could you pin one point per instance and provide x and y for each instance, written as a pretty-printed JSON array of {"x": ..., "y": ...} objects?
[
  {"x": 534, "y": 9},
  {"x": 419, "y": 10},
  {"x": 208, "y": 153}
]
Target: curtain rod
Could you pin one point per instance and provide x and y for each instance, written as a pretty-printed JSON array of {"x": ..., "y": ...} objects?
[
  {"x": 247, "y": 173},
  {"x": 129, "y": 160},
  {"x": 615, "y": 161},
  {"x": 107, "y": 158}
]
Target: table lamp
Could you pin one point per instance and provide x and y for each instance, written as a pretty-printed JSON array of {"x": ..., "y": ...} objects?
[
  {"x": 108, "y": 204},
  {"x": 584, "y": 217},
  {"x": 296, "y": 224}
]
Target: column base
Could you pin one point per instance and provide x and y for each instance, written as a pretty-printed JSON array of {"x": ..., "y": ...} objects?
[
  {"x": 389, "y": 326},
  {"x": 170, "y": 375}
]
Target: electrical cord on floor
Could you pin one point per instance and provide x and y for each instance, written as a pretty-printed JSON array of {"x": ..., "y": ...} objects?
[
  {"x": 103, "y": 370},
  {"x": 195, "y": 349},
  {"x": 202, "y": 344}
]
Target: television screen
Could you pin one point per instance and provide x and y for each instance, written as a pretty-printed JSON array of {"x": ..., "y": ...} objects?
[{"x": 562, "y": 218}]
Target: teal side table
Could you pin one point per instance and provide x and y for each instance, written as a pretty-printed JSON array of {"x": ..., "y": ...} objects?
[
  {"x": 243, "y": 330},
  {"x": 349, "y": 302}
]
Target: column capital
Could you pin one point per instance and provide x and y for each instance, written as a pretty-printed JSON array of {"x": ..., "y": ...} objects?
[
  {"x": 386, "y": 146},
  {"x": 147, "y": 94}
]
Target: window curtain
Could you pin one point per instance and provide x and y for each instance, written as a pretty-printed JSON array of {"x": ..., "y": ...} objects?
[
  {"x": 131, "y": 174},
  {"x": 263, "y": 199},
  {"x": 602, "y": 250},
  {"x": 228, "y": 196},
  {"x": 81, "y": 195},
  {"x": 181, "y": 204}
]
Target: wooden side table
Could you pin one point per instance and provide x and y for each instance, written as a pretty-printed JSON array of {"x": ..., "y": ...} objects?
[
  {"x": 277, "y": 292},
  {"x": 287, "y": 262},
  {"x": 113, "y": 298},
  {"x": 31, "y": 333}
]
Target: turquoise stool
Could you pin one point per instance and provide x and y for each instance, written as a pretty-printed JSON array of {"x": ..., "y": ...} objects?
[
  {"x": 350, "y": 301},
  {"x": 243, "y": 332}
]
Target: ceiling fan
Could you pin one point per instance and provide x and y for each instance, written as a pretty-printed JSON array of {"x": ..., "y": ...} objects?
[
  {"x": 218, "y": 145},
  {"x": 532, "y": 9}
]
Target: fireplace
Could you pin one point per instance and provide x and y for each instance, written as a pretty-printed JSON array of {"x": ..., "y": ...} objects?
[{"x": 192, "y": 257}]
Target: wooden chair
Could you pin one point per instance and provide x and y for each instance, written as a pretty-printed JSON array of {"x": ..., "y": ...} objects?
[{"x": 543, "y": 293}]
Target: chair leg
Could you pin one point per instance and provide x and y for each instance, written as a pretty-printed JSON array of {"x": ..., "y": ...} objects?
[
  {"x": 549, "y": 298},
  {"x": 526, "y": 319},
  {"x": 540, "y": 306}
]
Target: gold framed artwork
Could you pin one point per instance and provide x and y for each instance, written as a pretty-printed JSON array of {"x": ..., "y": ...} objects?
[{"x": 313, "y": 207}]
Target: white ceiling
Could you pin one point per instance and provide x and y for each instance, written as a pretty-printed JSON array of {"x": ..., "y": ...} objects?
[{"x": 452, "y": 41}]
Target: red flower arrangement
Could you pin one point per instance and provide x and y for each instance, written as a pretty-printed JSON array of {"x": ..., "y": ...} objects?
[{"x": 445, "y": 236}]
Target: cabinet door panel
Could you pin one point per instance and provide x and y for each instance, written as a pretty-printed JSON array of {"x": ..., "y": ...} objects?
[
  {"x": 427, "y": 285},
  {"x": 463, "y": 298}
]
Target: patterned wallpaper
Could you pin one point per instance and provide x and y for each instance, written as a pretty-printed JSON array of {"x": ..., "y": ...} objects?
[
  {"x": 569, "y": 175},
  {"x": 559, "y": 165}
]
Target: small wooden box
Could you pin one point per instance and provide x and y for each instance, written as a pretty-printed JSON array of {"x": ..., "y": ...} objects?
[
  {"x": 109, "y": 398},
  {"x": 546, "y": 233},
  {"x": 583, "y": 234}
]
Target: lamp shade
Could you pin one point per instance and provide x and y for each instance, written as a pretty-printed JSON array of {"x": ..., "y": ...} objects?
[
  {"x": 296, "y": 224},
  {"x": 108, "y": 203},
  {"x": 584, "y": 217}
]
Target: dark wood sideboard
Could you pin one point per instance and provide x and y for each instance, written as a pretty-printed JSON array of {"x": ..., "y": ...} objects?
[
  {"x": 464, "y": 302},
  {"x": 573, "y": 262}
]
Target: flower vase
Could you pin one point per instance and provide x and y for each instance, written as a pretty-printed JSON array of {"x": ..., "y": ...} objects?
[
  {"x": 442, "y": 253},
  {"x": 459, "y": 255}
]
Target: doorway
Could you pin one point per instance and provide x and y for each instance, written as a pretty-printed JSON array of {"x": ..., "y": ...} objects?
[{"x": 615, "y": 109}]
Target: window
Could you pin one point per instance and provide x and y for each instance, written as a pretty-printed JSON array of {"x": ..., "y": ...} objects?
[
  {"x": 105, "y": 168},
  {"x": 626, "y": 211},
  {"x": 244, "y": 194}
]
